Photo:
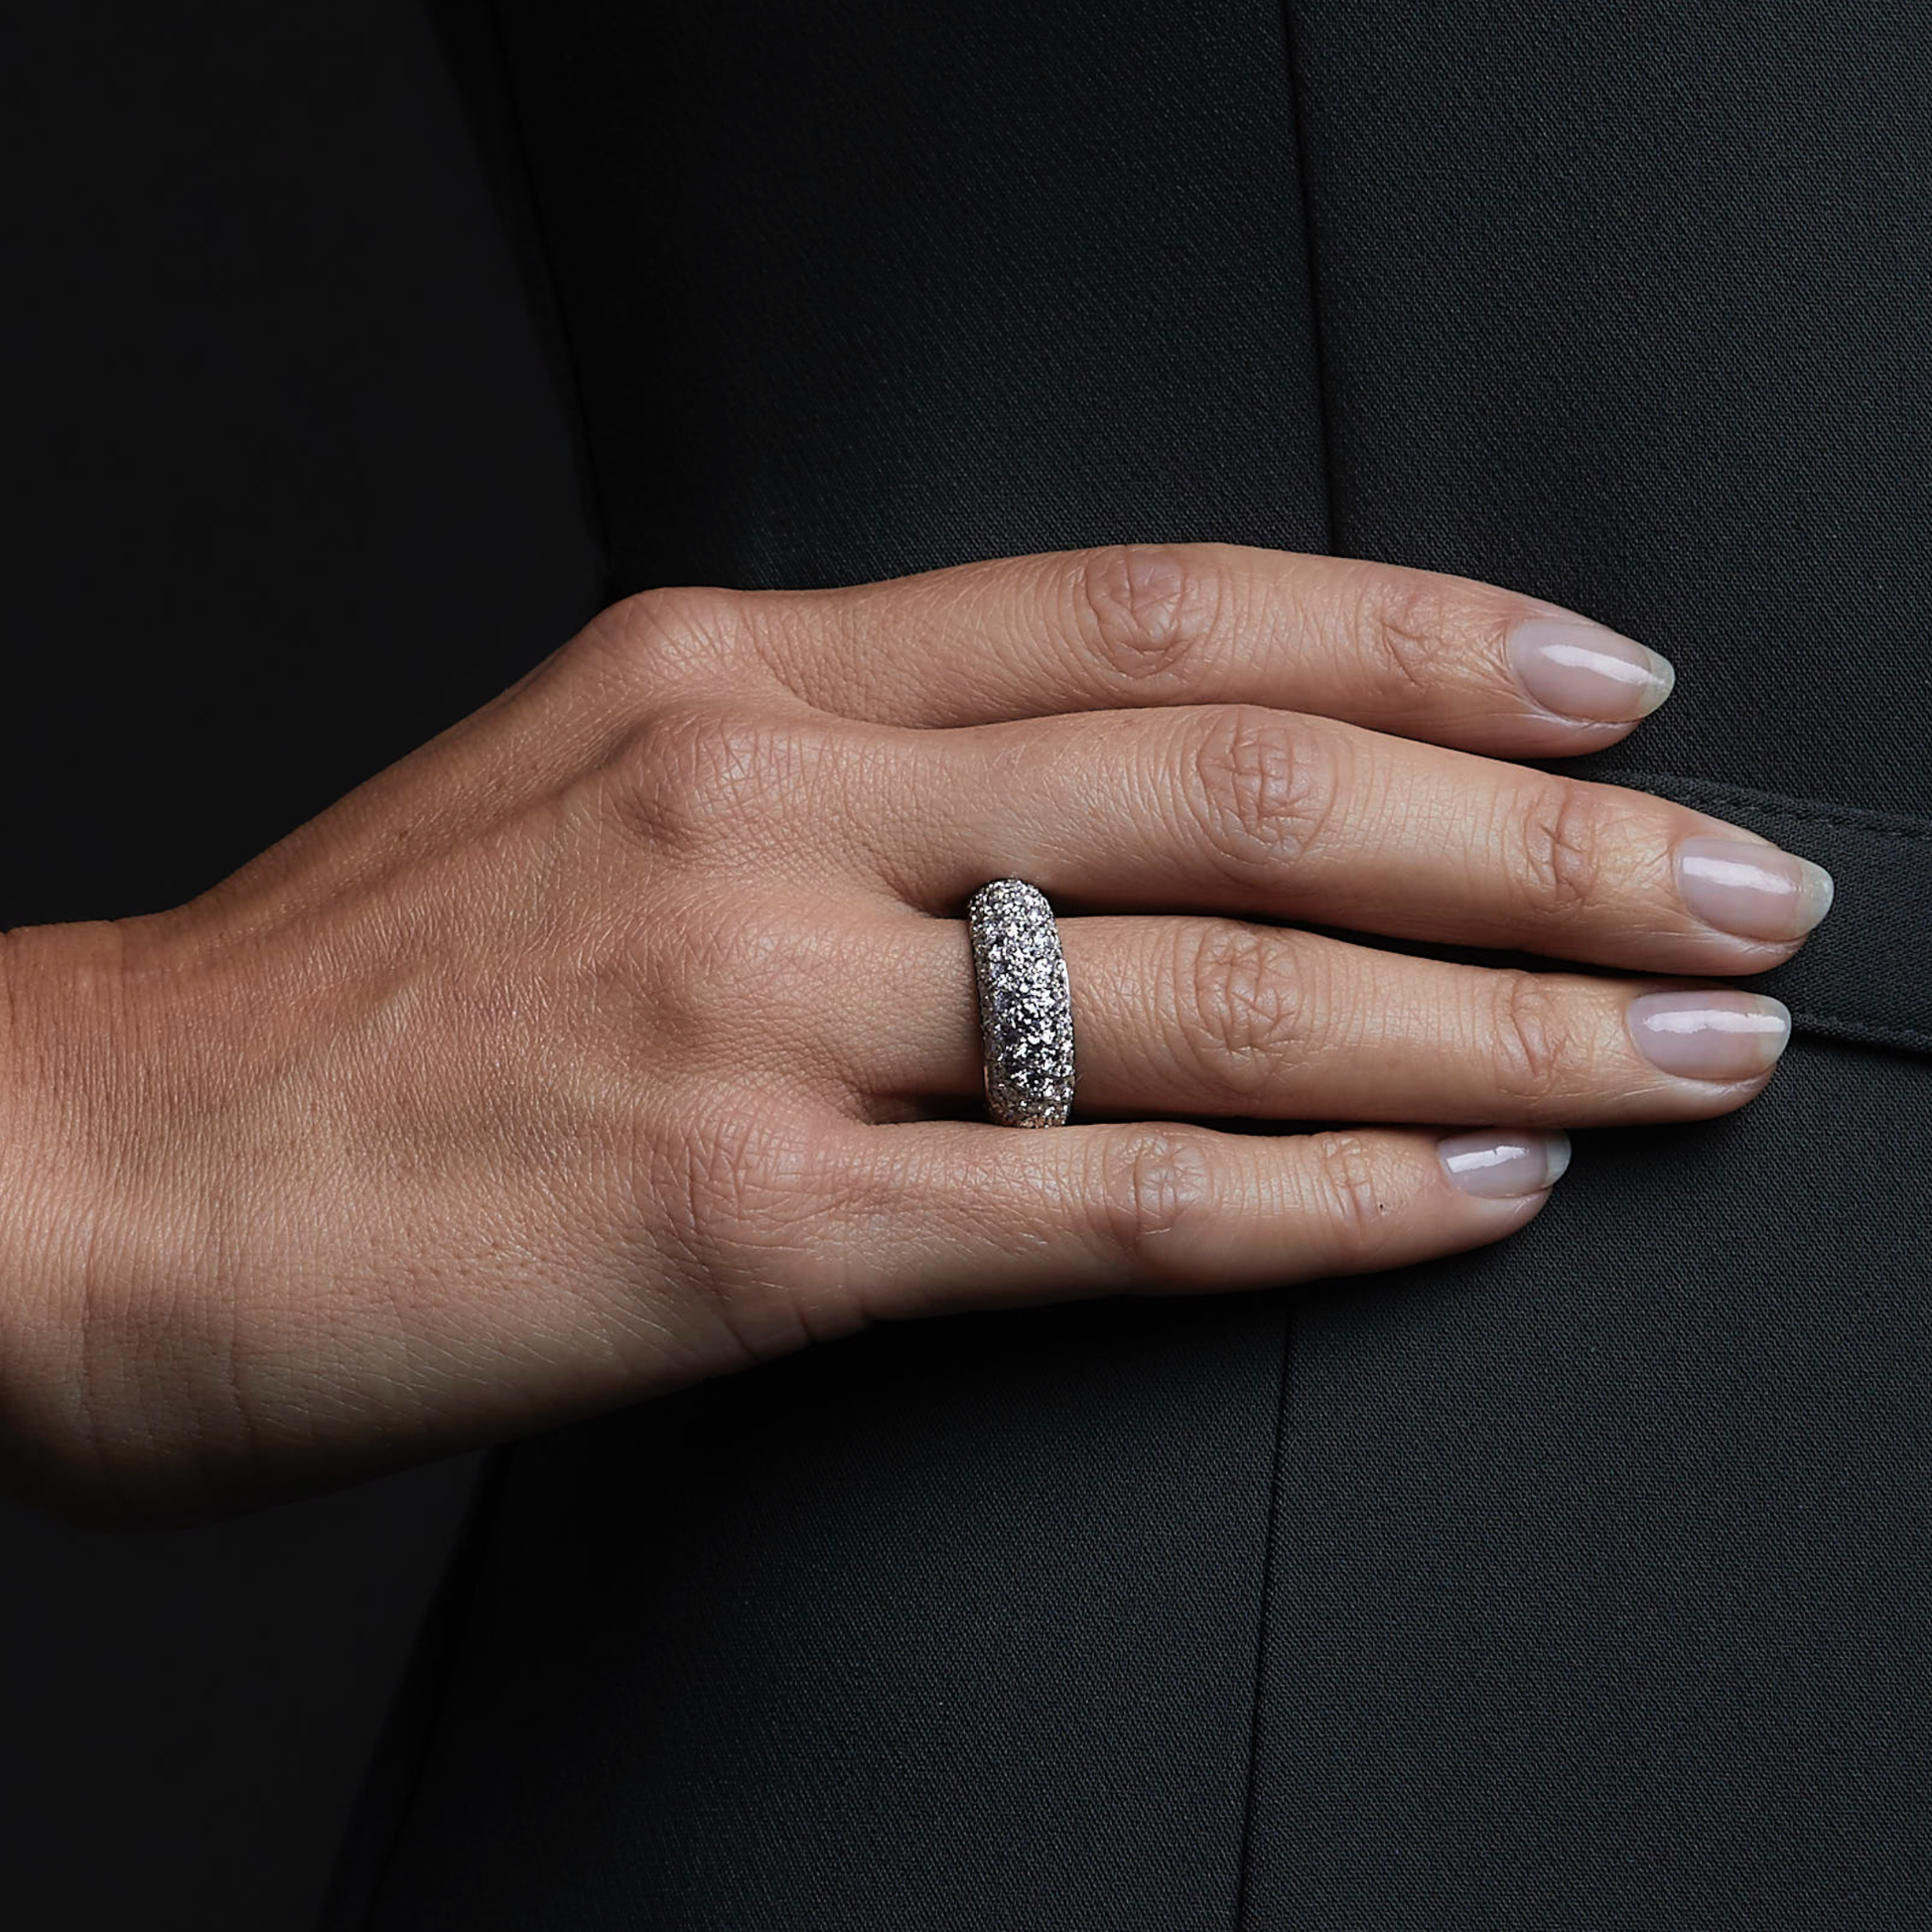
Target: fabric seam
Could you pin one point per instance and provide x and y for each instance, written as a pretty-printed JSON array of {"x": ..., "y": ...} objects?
[
  {"x": 1778, "y": 804},
  {"x": 1277, "y": 1449},
  {"x": 1318, "y": 355},
  {"x": 570, "y": 377},
  {"x": 1839, "y": 1022}
]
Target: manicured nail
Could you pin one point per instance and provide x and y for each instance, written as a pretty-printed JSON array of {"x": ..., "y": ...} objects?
[
  {"x": 1754, "y": 892},
  {"x": 1711, "y": 1035},
  {"x": 1504, "y": 1162},
  {"x": 1576, "y": 667}
]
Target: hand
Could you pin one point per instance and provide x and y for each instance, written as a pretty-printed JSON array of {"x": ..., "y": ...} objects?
[{"x": 608, "y": 1041}]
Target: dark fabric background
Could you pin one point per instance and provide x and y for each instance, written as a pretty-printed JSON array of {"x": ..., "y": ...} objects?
[
  {"x": 1581, "y": 1581},
  {"x": 287, "y": 489}
]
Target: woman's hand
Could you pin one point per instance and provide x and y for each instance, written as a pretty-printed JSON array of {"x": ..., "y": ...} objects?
[{"x": 621, "y": 1035}]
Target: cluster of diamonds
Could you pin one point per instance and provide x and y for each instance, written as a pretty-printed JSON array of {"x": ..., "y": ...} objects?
[{"x": 1026, "y": 1011}]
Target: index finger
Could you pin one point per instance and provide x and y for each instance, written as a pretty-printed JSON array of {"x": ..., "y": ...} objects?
[{"x": 1414, "y": 652}]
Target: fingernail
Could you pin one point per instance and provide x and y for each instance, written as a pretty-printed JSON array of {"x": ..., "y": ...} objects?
[
  {"x": 1502, "y": 1163},
  {"x": 1576, "y": 667},
  {"x": 1754, "y": 892},
  {"x": 1711, "y": 1035}
]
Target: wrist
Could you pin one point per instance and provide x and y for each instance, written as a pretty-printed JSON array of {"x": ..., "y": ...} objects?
[{"x": 72, "y": 1161}]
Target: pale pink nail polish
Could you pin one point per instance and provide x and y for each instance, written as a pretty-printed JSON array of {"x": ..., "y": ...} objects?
[
  {"x": 1502, "y": 1163},
  {"x": 1754, "y": 892},
  {"x": 1718, "y": 1034},
  {"x": 1577, "y": 668}
]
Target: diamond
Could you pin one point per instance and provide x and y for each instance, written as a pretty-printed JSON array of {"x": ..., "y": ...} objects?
[{"x": 1026, "y": 1012}]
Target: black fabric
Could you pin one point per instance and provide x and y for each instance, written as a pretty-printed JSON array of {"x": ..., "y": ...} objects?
[
  {"x": 854, "y": 290},
  {"x": 914, "y": 1632},
  {"x": 1602, "y": 1559},
  {"x": 1578, "y": 1582},
  {"x": 1623, "y": 303}
]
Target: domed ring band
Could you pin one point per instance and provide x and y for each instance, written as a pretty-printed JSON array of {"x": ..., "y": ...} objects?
[{"x": 1025, "y": 1010}]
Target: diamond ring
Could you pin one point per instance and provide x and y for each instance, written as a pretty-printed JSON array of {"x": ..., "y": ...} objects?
[{"x": 1025, "y": 1010}]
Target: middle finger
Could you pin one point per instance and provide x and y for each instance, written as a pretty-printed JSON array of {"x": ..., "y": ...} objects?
[{"x": 1238, "y": 808}]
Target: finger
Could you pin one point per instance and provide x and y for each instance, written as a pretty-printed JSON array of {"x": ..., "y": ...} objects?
[
  {"x": 1408, "y": 651},
  {"x": 1232, "y": 808},
  {"x": 1217, "y": 1017},
  {"x": 954, "y": 1214}
]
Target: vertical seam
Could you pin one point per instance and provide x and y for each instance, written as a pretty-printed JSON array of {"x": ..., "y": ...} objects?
[
  {"x": 1244, "y": 1869},
  {"x": 570, "y": 377},
  {"x": 1317, "y": 352},
  {"x": 392, "y": 1783},
  {"x": 1277, "y": 1449}
]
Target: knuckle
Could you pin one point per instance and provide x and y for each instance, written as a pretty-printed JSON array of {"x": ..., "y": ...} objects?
[
  {"x": 1242, "y": 1009},
  {"x": 695, "y": 776},
  {"x": 1143, "y": 609},
  {"x": 719, "y": 1199},
  {"x": 1530, "y": 1036},
  {"x": 1156, "y": 1192},
  {"x": 740, "y": 946},
  {"x": 1261, "y": 786},
  {"x": 1560, "y": 844},
  {"x": 662, "y": 635},
  {"x": 744, "y": 1200},
  {"x": 742, "y": 979},
  {"x": 708, "y": 964},
  {"x": 1399, "y": 626},
  {"x": 1352, "y": 1197}
]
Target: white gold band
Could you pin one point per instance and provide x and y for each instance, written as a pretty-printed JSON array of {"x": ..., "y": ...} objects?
[{"x": 1026, "y": 1009}]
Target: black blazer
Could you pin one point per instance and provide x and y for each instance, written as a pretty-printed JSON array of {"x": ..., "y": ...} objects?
[{"x": 1581, "y": 1581}]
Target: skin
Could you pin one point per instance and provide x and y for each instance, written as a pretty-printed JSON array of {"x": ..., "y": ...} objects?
[{"x": 624, "y": 1033}]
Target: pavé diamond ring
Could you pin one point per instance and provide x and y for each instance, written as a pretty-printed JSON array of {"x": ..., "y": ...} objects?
[{"x": 1025, "y": 1010}]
